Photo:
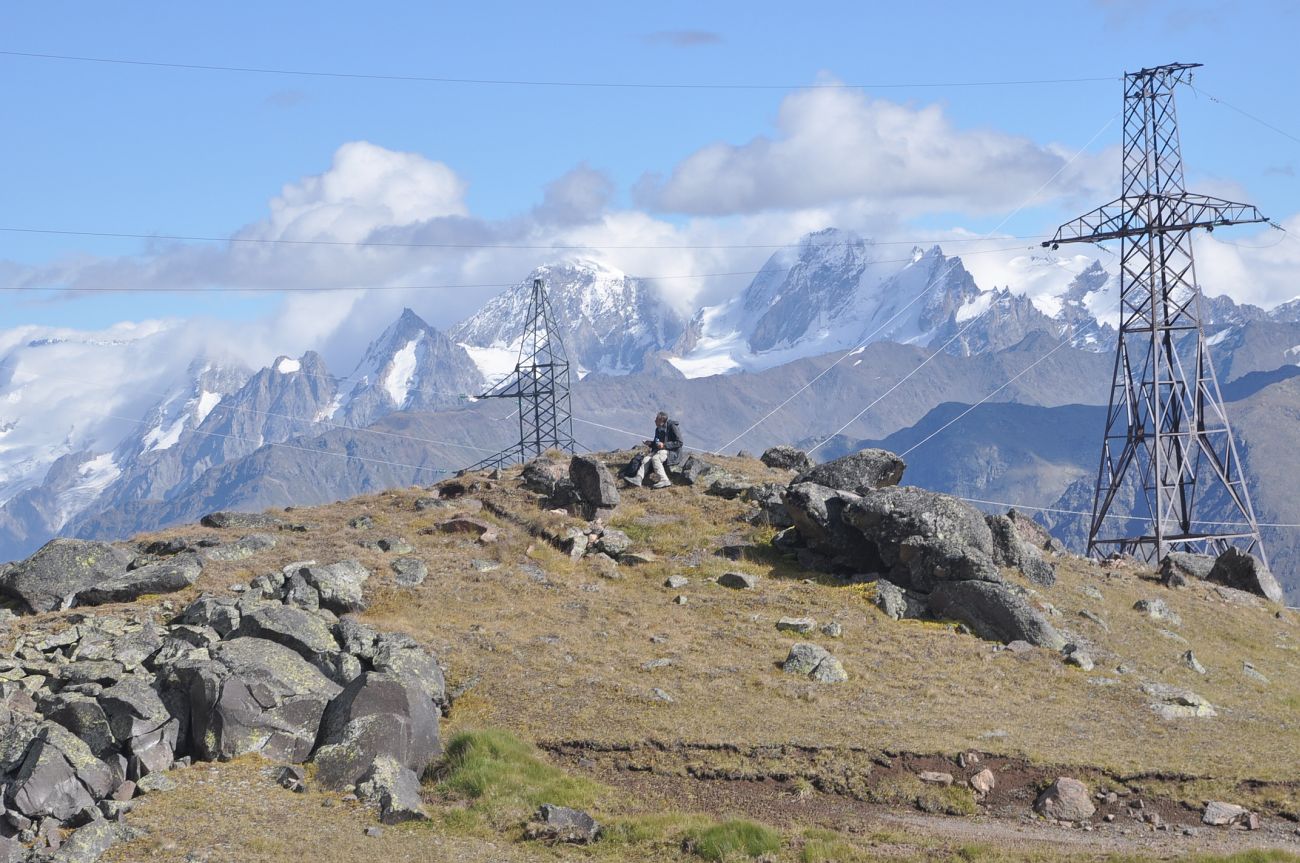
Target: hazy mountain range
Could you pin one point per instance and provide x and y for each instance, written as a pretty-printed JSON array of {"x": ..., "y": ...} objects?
[{"x": 833, "y": 323}]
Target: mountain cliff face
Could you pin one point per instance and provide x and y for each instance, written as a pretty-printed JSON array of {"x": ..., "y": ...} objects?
[
  {"x": 411, "y": 366},
  {"x": 609, "y": 321}
]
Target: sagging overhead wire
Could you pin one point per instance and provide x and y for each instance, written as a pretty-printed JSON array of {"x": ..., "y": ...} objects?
[
  {"x": 549, "y": 247},
  {"x": 1244, "y": 113},
  {"x": 157, "y": 289},
  {"x": 524, "y": 82}
]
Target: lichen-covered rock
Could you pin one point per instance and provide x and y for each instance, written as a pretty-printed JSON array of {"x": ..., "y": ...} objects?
[
  {"x": 59, "y": 778},
  {"x": 396, "y": 789},
  {"x": 858, "y": 472},
  {"x": 1010, "y": 550},
  {"x": 253, "y": 695},
  {"x": 376, "y": 715},
  {"x": 53, "y": 576},
  {"x": 898, "y": 603},
  {"x": 141, "y": 724},
  {"x": 409, "y": 571},
  {"x": 340, "y": 585},
  {"x": 295, "y": 628},
  {"x": 924, "y": 563},
  {"x": 889, "y": 517},
  {"x": 818, "y": 515},
  {"x": 562, "y": 824},
  {"x": 814, "y": 661},
  {"x": 165, "y": 576},
  {"x": 241, "y": 520},
  {"x": 786, "y": 458}
]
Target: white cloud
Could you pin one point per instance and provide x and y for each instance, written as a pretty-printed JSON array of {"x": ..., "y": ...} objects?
[
  {"x": 1263, "y": 269},
  {"x": 833, "y": 145}
]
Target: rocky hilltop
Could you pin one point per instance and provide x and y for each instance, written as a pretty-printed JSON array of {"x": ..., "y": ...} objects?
[{"x": 771, "y": 659}]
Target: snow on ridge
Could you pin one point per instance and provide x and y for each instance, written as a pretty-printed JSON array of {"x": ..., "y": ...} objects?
[
  {"x": 402, "y": 373},
  {"x": 207, "y": 401},
  {"x": 287, "y": 366},
  {"x": 96, "y": 475}
]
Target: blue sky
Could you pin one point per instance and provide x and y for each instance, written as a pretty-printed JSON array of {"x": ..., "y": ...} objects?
[{"x": 140, "y": 149}]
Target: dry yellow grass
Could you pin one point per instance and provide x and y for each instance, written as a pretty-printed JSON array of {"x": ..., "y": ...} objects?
[{"x": 552, "y": 650}]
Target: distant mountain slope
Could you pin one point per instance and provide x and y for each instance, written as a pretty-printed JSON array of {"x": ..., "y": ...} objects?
[{"x": 610, "y": 321}]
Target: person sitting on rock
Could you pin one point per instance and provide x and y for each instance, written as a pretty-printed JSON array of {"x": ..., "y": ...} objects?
[{"x": 665, "y": 449}]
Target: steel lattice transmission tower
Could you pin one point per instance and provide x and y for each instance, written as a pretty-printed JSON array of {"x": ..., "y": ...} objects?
[
  {"x": 1168, "y": 444},
  {"x": 540, "y": 384}
]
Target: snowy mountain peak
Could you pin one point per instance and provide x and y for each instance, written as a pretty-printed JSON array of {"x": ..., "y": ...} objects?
[{"x": 609, "y": 321}]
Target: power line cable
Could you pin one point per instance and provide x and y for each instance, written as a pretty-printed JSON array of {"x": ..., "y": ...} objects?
[
  {"x": 553, "y": 247},
  {"x": 1053, "y": 509},
  {"x": 519, "y": 82},
  {"x": 156, "y": 289},
  {"x": 1245, "y": 113}
]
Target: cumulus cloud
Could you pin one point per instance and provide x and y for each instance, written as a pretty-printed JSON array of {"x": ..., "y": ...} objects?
[
  {"x": 1261, "y": 270},
  {"x": 833, "y": 145}
]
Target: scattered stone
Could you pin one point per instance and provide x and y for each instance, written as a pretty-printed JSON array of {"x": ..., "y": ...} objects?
[
  {"x": 1174, "y": 703},
  {"x": 365, "y": 522},
  {"x": 934, "y": 777},
  {"x": 593, "y": 482},
  {"x": 394, "y": 545},
  {"x": 679, "y": 600},
  {"x": 1249, "y": 670},
  {"x": 807, "y": 660},
  {"x": 1066, "y": 799},
  {"x": 291, "y": 777},
  {"x": 1190, "y": 660},
  {"x": 240, "y": 520},
  {"x": 397, "y": 791},
  {"x": 1157, "y": 609},
  {"x": 786, "y": 458},
  {"x": 1079, "y": 658},
  {"x": 339, "y": 585},
  {"x": 832, "y": 630},
  {"x": 466, "y": 524},
  {"x": 411, "y": 571},
  {"x": 1220, "y": 814},
  {"x": 374, "y": 832},
  {"x": 562, "y": 824},
  {"x": 738, "y": 580},
  {"x": 613, "y": 542},
  {"x": 676, "y": 581},
  {"x": 801, "y": 625},
  {"x": 983, "y": 782},
  {"x": 660, "y": 695},
  {"x": 155, "y": 782}
]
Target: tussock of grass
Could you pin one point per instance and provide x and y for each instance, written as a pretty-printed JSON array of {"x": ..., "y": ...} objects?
[
  {"x": 505, "y": 780},
  {"x": 905, "y": 790},
  {"x": 661, "y": 828},
  {"x": 733, "y": 838},
  {"x": 828, "y": 846}
]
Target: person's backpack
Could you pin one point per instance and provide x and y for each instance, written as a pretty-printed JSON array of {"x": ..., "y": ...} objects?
[{"x": 633, "y": 466}]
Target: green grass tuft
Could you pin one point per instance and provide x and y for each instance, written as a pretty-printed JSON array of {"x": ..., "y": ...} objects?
[
  {"x": 735, "y": 838},
  {"x": 505, "y": 780}
]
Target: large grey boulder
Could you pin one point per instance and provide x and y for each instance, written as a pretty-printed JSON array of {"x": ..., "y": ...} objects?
[
  {"x": 90, "y": 842},
  {"x": 141, "y": 725},
  {"x": 222, "y": 614},
  {"x": 593, "y": 482},
  {"x": 1066, "y": 799},
  {"x": 1177, "y": 567},
  {"x": 698, "y": 471},
  {"x": 859, "y": 472},
  {"x": 165, "y": 576},
  {"x": 890, "y": 516},
  {"x": 546, "y": 477},
  {"x": 818, "y": 514},
  {"x": 61, "y": 569},
  {"x": 376, "y": 715},
  {"x": 562, "y": 824},
  {"x": 340, "y": 585},
  {"x": 994, "y": 611},
  {"x": 1244, "y": 571},
  {"x": 254, "y": 695},
  {"x": 786, "y": 458},
  {"x": 59, "y": 778},
  {"x": 244, "y": 520}
]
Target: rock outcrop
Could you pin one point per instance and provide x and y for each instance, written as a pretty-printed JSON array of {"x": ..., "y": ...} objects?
[{"x": 930, "y": 553}]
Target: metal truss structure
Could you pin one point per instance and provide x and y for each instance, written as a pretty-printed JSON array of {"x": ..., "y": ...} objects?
[
  {"x": 540, "y": 384},
  {"x": 1168, "y": 450}
]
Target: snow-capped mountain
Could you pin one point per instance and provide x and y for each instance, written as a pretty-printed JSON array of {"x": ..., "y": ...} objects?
[
  {"x": 835, "y": 290},
  {"x": 411, "y": 366},
  {"x": 610, "y": 321}
]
